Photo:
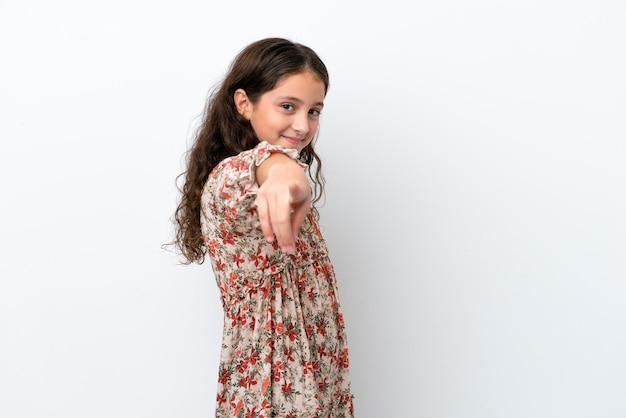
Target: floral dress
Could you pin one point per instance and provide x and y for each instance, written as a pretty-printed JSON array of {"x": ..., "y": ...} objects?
[{"x": 284, "y": 351}]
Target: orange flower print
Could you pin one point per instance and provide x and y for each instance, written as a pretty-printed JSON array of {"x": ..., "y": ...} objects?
[
  {"x": 308, "y": 329},
  {"x": 289, "y": 355},
  {"x": 321, "y": 351},
  {"x": 247, "y": 381},
  {"x": 224, "y": 375},
  {"x": 286, "y": 387},
  {"x": 343, "y": 358},
  {"x": 226, "y": 236},
  {"x": 265, "y": 384},
  {"x": 277, "y": 370},
  {"x": 223, "y": 194},
  {"x": 334, "y": 358},
  {"x": 230, "y": 214},
  {"x": 237, "y": 259},
  {"x": 212, "y": 246},
  {"x": 322, "y": 385},
  {"x": 309, "y": 366},
  {"x": 291, "y": 332},
  {"x": 237, "y": 405},
  {"x": 321, "y": 327}
]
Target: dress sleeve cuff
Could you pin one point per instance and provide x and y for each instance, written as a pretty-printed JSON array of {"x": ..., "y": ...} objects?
[{"x": 264, "y": 149}]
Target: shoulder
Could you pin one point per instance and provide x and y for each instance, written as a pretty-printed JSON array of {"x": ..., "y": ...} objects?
[{"x": 255, "y": 156}]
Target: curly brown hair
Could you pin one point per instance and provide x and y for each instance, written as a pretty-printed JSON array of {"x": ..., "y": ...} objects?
[{"x": 258, "y": 68}]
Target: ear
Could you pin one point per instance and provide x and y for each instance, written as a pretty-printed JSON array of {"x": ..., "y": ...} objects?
[{"x": 242, "y": 103}]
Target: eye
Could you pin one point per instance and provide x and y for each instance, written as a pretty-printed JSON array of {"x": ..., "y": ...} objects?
[
  {"x": 287, "y": 106},
  {"x": 315, "y": 112}
]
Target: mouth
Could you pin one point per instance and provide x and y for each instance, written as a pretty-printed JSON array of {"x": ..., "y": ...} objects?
[{"x": 292, "y": 140}]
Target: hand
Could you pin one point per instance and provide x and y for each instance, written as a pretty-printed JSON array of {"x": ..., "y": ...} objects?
[{"x": 283, "y": 200}]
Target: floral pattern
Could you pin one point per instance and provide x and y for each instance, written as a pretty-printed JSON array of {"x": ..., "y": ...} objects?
[{"x": 284, "y": 350}]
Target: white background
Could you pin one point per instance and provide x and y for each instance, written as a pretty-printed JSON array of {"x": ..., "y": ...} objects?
[{"x": 475, "y": 155}]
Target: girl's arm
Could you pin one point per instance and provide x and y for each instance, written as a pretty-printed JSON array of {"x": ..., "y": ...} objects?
[{"x": 283, "y": 199}]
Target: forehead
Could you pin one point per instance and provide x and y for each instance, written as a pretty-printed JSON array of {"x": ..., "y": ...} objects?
[{"x": 305, "y": 85}]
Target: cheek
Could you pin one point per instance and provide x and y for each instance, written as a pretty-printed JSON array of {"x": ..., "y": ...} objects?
[
  {"x": 309, "y": 140},
  {"x": 313, "y": 124},
  {"x": 257, "y": 127}
]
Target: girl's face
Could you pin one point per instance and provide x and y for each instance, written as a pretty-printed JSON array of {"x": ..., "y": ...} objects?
[{"x": 287, "y": 115}]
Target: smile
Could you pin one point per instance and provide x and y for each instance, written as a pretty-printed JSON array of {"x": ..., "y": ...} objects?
[{"x": 292, "y": 140}]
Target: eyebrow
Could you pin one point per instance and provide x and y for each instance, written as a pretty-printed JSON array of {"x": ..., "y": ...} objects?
[{"x": 295, "y": 99}]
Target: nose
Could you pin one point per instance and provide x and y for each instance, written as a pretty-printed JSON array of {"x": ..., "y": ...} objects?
[{"x": 300, "y": 123}]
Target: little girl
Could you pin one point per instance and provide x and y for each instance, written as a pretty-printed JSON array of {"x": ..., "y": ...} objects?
[{"x": 247, "y": 201}]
